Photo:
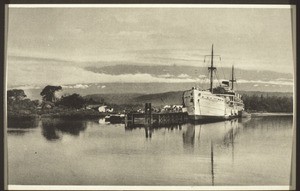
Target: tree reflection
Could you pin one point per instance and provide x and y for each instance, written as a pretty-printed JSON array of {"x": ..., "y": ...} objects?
[
  {"x": 22, "y": 122},
  {"x": 269, "y": 123},
  {"x": 53, "y": 128},
  {"x": 49, "y": 132}
]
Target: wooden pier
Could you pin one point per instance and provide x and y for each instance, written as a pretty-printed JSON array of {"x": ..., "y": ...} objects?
[{"x": 154, "y": 119}]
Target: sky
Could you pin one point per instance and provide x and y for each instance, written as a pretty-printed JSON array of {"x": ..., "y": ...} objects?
[{"x": 55, "y": 45}]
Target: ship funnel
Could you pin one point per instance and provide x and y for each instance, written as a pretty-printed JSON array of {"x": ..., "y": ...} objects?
[{"x": 225, "y": 83}]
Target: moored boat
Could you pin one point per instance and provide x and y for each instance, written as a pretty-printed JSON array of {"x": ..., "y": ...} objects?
[
  {"x": 115, "y": 118},
  {"x": 219, "y": 103}
]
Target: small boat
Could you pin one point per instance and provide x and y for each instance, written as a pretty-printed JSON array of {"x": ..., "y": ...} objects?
[
  {"x": 115, "y": 118},
  {"x": 245, "y": 114}
]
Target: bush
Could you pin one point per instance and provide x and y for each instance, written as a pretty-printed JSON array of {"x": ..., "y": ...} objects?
[
  {"x": 72, "y": 101},
  {"x": 268, "y": 103}
]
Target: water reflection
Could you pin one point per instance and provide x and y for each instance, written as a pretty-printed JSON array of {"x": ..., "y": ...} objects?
[
  {"x": 20, "y": 127},
  {"x": 53, "y": 128},
  {"x": 22, "y": 123},
  {"x": 269, "y": 123},
  {"x": 148, "y": 132},
  {"x": 238, "y": 152},
  {"x": 103, "y": 121},
  {"x": 189, "y": 136},
  {"x": 221, "y": 133},
  {"x": 212, "y": 163},
  {"x": 17, "y": 132},
  {"x": 204, "y": 137}
]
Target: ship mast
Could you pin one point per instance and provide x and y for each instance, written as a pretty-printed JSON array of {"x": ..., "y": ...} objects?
[
  {"x": 232, "y": 78},
  {"x": 211, "y": 68}
]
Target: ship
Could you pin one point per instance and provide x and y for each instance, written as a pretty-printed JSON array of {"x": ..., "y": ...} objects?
[{"x": 216, "y": 103}]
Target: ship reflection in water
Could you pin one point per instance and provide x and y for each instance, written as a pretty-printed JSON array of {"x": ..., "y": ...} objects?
[
  {"x": 222, "y": 133},
  {"x": 93, "y": 152},
  {"x": 203, "y": 137}
]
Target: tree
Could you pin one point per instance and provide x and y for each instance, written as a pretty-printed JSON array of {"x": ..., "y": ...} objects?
[
  {"x": 93, "y": 101},
  {"x": 16, "y": 94},
  {"x": 16, "y": 102},
  {"x": 48, "y": 93},
  {"x": 72, "y": 101}
]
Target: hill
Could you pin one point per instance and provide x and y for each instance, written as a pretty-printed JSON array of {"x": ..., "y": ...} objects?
[
  {"x": 159, "y": 99},
  {"x": 118, "y": 99},
  {"x": 167, "y": 98}
]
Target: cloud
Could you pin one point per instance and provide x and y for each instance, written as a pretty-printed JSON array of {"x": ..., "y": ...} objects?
[
  {"x": 56, "y": 74},
  {"x": 284, "y": 79},
  {"x": 255, "y": 85},
  {"x": 202, "y": 76},
  {"x": 274, "y": 82},
  {"x": 183, "y": 76},
  {"x": 102, "y": 87},
  {"x": 25, "y": 87},
  {"x": 165, "y": 76},
  {"x": 76, "y": 86},
  {"x": 35, "y": 74}
]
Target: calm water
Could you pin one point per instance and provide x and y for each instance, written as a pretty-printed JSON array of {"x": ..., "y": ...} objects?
[{"x": 253, "y": 151}]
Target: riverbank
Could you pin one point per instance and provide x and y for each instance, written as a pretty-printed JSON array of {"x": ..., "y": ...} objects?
[
  {"x": 91, "y": 114},
  {"x": 68, "y": 114},
  {"x": 265, "y": 114}
]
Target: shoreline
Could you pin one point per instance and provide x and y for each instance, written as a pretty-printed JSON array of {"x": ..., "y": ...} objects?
[
  {"x": 80, "y": 115},
  {"x": 267, "y": 114},
  {"x": 61, "y": 114}
]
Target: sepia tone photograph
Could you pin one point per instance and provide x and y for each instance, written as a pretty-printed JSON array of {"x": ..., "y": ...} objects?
[{"x": 149, "y": 96}]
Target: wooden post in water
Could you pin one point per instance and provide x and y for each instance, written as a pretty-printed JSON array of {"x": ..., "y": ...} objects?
[
  {"x": 148, "y": 114},
  {"x": 146, "y": 132},
  {"x": 158, "y": 119},
  {"x": 132, "y": 118},
  {"x": 148, "y": 119}
]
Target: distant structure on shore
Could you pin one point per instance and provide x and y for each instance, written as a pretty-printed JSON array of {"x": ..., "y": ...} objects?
[{"x": 100, "y": 108}]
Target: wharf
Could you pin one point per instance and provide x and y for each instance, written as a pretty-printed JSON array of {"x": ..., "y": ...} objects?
[
  {"x": 155, "y": 119},
  {"x": 150, "y": 118}
]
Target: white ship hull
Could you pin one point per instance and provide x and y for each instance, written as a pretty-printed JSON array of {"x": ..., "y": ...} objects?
[
  {"x": 217, "y": 104},
  {"x": 203, "y": 105}
]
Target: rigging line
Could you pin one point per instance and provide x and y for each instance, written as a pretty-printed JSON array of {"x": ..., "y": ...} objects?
[
  {"x": 221, "y": 66},
  {"x": 236, "y": 82},
  {"x": 217, "y": 77},
  {"x": 206, "y": 78},
  {"x": 206, "y": 73},
  {"x": 203, "y": 72},
  {"x": 201, "y": 80},
  {"x": 223, "y": 72}
]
